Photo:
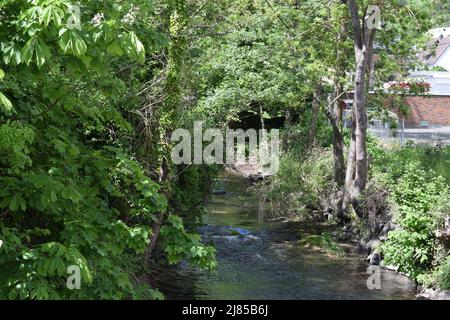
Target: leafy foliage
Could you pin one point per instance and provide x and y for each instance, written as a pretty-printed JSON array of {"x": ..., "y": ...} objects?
[
  {"x": 419, "y": 196},
  {"x": 412, "y": 247},
  {"x": 180, "y": 244},
  {"x": 72, "y": 190}
]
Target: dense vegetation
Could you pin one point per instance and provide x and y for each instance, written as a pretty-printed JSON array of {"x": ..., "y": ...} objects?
[
  {"x": 79, "y": 155},
  {"x": 90, "y": 94},
  {"x": 409, "y": 186}
]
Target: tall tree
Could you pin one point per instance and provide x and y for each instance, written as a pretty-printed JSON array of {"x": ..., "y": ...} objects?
[
  {"x": 176, "y": 15},
  {"x": 357, "y": 169}
]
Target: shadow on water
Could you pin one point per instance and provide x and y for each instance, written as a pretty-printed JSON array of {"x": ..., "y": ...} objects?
[{"x": 263, "y": 260}]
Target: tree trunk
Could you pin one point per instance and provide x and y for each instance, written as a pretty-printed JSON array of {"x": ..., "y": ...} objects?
[
  {"x": 338, "y": 141},
  {"x": 335, "y": 116},
  {"x": 357, "y": 168},
  {"x": 350, "y": 172},
  {"x": 360, "y": 125},
  {"x": 172, "y": 97},
  {"x": 402, "y": 143},
  {"x": 287, "y": 129},
  {"x": 314, "y": 117},
  {"x": 261, "y": 117}
]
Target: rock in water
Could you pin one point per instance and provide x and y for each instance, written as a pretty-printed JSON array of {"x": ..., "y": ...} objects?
[
  {"x": 374, "y": 259},
  {"x": 241, "y": 231},
  {"x": 430, "y": 294}
]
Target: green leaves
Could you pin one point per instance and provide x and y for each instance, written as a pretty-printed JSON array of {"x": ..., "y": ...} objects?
[
  {"x": 72, "y": 43},
  {"x": 180, "y": 244},
  {"x": 35, "y": 47},
  {"x": 419, "y": 195},
  {"x": 115, "y": 49},
  {"x": 51, "y": 13},
  {"x": 11, "y": 54},
  {"x": 17, "y": 202},
  {"x": 5, "y": 103},
  {"x": 133, "y": 47},
  {"x": 66, "y": 163}
]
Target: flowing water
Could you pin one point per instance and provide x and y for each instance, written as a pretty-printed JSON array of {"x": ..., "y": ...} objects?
[{"x": 264, "y": 260}]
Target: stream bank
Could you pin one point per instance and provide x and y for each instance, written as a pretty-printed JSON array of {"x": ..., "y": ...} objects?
[{"x": 259, "y": 259}]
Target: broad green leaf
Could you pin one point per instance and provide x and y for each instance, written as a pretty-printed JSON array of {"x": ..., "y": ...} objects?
[
  {"x": 5, "y": 102},
  {"x": 46, "y": 16},
  {"x": 17, "y": 202},
  {"x": 35, "y": 46},
  {"x": 28, "y": 49},
  {"x": 51, "y": 13},
  {"x": 133, "y": 47},
  {"x": 115, "y": 49},
  {"x": 12, "y": 54},
  {"x": 13, "y": 294},
  {"x": 53, "y": 196},
  {"x": 72, "y": 43},
  {"x": 42, "y": 53},
  {"x": 60, "y": 267}
]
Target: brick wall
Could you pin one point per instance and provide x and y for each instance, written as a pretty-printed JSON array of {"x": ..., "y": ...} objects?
[
  {"x": 431, "y": 110},
  {"x": 425, "y": 110}
]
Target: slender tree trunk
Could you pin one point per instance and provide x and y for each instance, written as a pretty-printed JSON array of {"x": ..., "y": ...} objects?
[
  {"x": 402, "y": 143},
  {"x": 357, "y": 168},
  {"x": 335, "y": 117},
  {"x": 163, "y": 174},
  {"x": 338, "y": 146},
  {"x": 350, "y": 172},
  {"x": 287, "y": 128},
  {"x": 333, "y": 114},
  {"x": 261, "y": 117},
  {"x": 314, "y": 116},
  {"x": 172, "y": 98},
  {"x": 360, "y": 127},
  {"x": 338, "y": 156}
]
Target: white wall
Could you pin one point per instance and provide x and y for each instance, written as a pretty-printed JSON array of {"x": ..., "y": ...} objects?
[
  {"x": 444, "y": 60},
  {"x": 439, "y": 81}
]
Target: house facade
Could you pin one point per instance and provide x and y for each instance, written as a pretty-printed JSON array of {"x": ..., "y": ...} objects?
[{"x": 433, "y": 109}]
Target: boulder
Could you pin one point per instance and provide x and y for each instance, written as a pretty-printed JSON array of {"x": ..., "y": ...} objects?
[
  {"x": 385, "y": 230},
  {"x": 374, "y": 259},
  {"x": 374, "y": 244},
  {"x": 432, "y": 294},
  {"x": 363, "y": 246},
  {"x": 256, "y": 177}
]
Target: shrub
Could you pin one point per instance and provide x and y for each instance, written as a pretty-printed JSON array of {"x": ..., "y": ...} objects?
[
  {"x": 419, "y": 195},
  {"x": 300, "y": 183}
]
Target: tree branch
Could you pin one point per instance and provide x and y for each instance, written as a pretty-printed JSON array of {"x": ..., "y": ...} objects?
[{"x": 357, "y": 32}]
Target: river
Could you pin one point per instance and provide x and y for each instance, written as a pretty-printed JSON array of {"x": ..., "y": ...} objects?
[{"x": 258, "y": 259}]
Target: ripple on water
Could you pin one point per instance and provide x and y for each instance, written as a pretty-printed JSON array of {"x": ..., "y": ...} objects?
[{"x": 260, "y": 260}]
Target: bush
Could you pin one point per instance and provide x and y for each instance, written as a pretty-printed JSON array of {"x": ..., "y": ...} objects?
[
  {"x": 300, "y": 183},
  {"x": 439, "y": 277},
  {"x": 419, "y": 196}
]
